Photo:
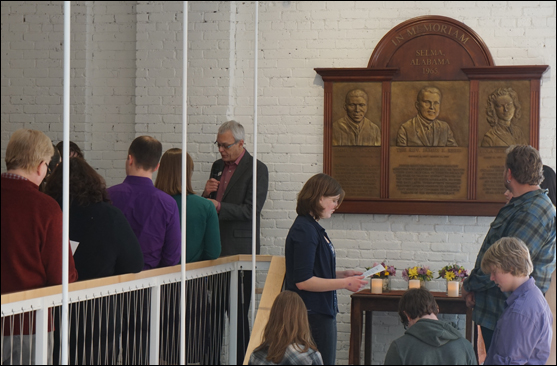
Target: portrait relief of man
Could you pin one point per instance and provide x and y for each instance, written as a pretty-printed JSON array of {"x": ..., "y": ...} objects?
[
  {"x": 503, "y": 109},
  {"x": 354, "y": 129},
  {"x": 425, "y": 129}
]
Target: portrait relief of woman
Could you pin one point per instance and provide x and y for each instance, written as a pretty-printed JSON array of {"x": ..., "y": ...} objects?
[{"x": 503, "y": 112}]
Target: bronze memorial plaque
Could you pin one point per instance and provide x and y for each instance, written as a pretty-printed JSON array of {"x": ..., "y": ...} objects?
[
  {"x": 423, "y": 129},
  {"x": 357, "y": 138},
  {"x": 504, "y": 111}
]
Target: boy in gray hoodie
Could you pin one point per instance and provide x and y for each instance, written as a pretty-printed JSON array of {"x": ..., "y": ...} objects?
[{"x": 427, "y": 340}]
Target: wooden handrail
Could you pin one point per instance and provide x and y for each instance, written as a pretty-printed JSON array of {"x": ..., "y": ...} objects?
[
  {"x": 83, "y": 285},
  {"x": 273, "y": 287}
]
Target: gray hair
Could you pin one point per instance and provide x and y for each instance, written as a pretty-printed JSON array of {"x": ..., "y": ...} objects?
[{"x": 236, "y": 129}]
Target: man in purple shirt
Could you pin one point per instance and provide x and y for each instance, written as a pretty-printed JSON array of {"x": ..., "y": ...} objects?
[
  {"x": 523, "y": 333},
  {"x": 154, "y": 218},
  {"x": 152, "y": 214}
]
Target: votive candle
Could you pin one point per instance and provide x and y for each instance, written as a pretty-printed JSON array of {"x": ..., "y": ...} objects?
[
  {"x": 413, "y": 284},
  {"x": 376, "y": 286},
  {"x": 452, "y": 289}
]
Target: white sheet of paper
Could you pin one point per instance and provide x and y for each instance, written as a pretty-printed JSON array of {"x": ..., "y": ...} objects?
[
  {"x": 74, "y": 245},
  {"x": 370, "y": 272}
]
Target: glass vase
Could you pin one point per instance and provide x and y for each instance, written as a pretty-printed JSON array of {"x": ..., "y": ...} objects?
[{"x": 386, "y": 284}]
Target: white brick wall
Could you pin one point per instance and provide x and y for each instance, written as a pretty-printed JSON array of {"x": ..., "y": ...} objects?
[{"x": 127, "y": 69}]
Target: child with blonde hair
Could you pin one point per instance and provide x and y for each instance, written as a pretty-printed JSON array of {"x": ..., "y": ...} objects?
[{"x": 523, "y": 332}]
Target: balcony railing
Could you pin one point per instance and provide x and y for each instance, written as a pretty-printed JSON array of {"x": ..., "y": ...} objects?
[{"x": 134, "y": 318}]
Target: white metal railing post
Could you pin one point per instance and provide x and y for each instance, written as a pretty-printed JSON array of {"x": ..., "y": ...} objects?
[
  {"x": 155, "y": 324},
  {"x": 233, "y": 316},
  {"x": 66, "y": 180},
  {"x": 41, "y": 335},
  {"x": 184, "y": 182},
  {"x": 254, "y": 193}
]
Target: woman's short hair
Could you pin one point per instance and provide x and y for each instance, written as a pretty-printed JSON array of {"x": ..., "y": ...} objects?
[
  {"x": 491, "y": 113},
  {"x": 320, "y": 185},
  {"x": 288, "y": 324},
  {"x": 146, "y": 151},
  {"x": 416, "y": 302},
  {"x": 510, "y": 255},
  {"x": 27, "y": 149},
  {"x": 86, "y": 185},
  {"x": 169, "y": 176},
  {"x": 525, "y": 164},
  {"x": 236, "y": 128}
]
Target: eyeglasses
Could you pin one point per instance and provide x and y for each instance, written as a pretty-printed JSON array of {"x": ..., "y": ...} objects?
[
  {"x": 48, "y": 170},
  {"x": 224, "y": 146}
]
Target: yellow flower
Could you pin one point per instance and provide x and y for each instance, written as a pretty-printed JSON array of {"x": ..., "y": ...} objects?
[
  {"x": 413, "y": 273},
  {"x": 386, "y": 273},
  {"x": 429, "y": 273},
  {"x": 450, "y": 276}
]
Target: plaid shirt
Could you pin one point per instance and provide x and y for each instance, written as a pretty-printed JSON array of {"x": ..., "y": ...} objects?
[
  {"x": 531, "y": 218},
  {"x": 292, "y": 356},
  {"x": 13, "y": 176}
]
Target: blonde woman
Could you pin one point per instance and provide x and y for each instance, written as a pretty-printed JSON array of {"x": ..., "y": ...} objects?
[{"x": 287, "y": 338}]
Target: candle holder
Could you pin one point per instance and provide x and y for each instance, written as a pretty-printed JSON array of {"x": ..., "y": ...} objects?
[
  {"x": 415, "y": 284},
  {"x": 417, "y": 276},
  {"x": 376, "y": 285},
  {"x": 453, "y": 288},
  {"x": 453, "y": 273}
]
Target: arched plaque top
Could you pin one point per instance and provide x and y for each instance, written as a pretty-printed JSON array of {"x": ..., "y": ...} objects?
[{"x": 401, "y": 37}]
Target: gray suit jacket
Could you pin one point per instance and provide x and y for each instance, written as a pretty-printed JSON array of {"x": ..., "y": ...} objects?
[{"x": 236, "y": 205}]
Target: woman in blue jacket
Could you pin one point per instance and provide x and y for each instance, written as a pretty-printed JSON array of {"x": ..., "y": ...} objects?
[{"x": 311, "y": 264}]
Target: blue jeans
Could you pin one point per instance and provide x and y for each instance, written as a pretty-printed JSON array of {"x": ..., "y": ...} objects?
[{"x": 324, "y": 332}]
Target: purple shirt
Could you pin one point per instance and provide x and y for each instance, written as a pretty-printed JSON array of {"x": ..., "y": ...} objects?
[
  {"x": 154, "y": 218},
  {"x": 523, "y": 332}
]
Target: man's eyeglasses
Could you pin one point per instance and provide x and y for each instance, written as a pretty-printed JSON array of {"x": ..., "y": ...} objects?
[{"x": 224, "y": 146}]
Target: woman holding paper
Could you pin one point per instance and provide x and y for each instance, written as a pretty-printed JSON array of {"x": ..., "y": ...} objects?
[{"x": 311, "y": 264}]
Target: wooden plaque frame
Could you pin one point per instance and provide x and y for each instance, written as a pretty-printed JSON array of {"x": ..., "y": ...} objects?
[{"x": 456, "y": 54}]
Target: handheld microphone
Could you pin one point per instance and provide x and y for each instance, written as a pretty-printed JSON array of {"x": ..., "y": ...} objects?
[{"x": 215, "y": 175}]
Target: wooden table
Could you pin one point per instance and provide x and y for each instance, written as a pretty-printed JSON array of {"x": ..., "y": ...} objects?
[{"x": 368, "y": 302}]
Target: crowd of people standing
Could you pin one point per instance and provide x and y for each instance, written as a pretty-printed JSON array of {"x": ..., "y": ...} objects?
[{"x": 136, "y": 225}]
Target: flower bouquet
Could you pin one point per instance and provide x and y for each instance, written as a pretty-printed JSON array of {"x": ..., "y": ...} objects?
[
  {"x": 389, "y": 271},
  {"x": 454, "y": 274},
  {"x": 416, "y": 276},
  {"x": 384, "y": 275}
]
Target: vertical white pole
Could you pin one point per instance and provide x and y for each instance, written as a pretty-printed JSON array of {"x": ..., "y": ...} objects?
[
  {"x": 184, "y": 180},
  {"x": 233, "y": 315},
  {"x": 155, "y": 323},
  {"x": 66, "y": 182},
  {"x": 41, "y": 316},
  {"x": 254, "y": 196}
]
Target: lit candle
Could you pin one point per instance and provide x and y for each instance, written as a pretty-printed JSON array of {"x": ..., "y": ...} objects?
[
  {"x": 376, "y": 286},
  {"x": 414, "y": 284},
  {"x": 452, "y": 289}
]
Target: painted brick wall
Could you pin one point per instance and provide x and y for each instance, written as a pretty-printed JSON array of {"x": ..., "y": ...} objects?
[{"x": 127, "y": 68}]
